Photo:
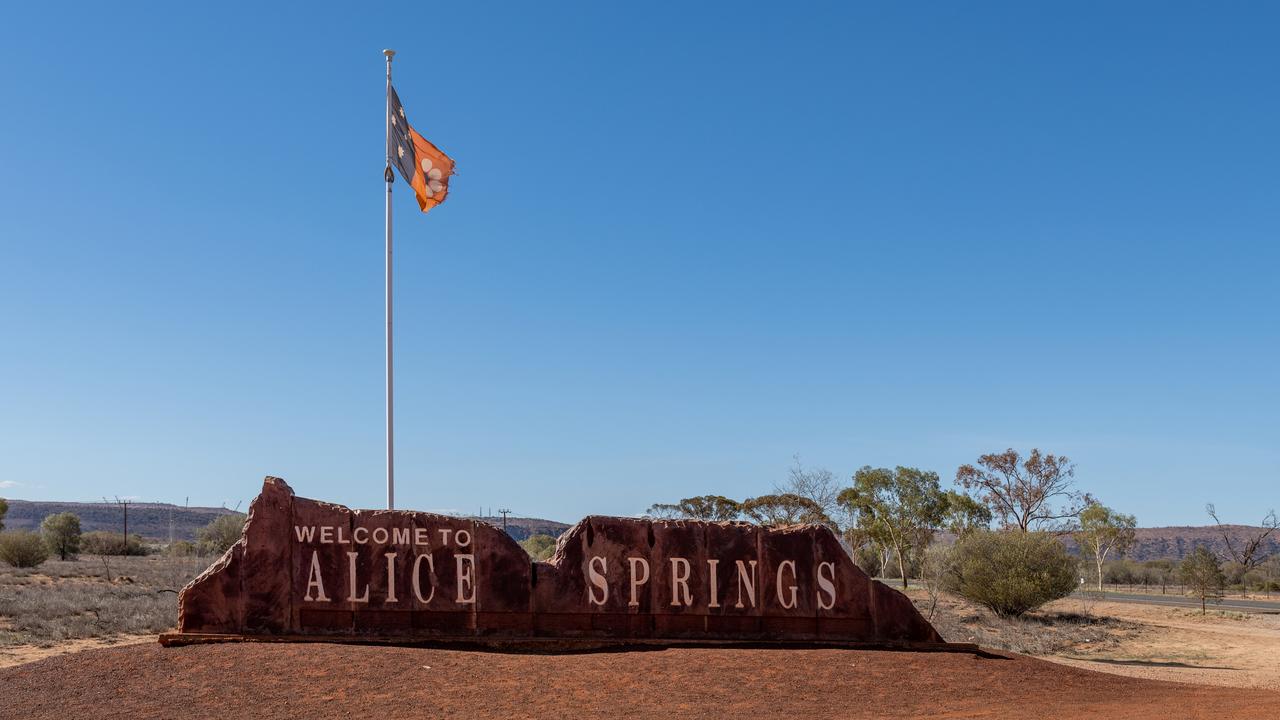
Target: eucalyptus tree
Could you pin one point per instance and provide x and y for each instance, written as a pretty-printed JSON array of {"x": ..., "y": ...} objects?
[
  {"x": 1103, "y": 531},
  {"x": 897, "y": 509}
]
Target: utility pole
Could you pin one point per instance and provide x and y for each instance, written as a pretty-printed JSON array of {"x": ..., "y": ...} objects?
[
  {"x": 124, "y": 504},
  {"x": 505, "y": 512}
]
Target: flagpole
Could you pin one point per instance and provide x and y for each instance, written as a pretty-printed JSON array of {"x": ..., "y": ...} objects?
[{"x": 391, "y": 464}]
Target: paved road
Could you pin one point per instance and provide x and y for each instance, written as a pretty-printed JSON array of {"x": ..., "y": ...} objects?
[{"x": 1228, "y": 603}]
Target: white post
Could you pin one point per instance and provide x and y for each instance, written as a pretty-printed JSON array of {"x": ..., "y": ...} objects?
[{"x": 391, "y": 462}]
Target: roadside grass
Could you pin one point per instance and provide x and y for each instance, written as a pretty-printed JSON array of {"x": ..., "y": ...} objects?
[
  {"x": 1211, "y": 614},
  {"x": 92, "y": 597},
  {"x": 1041, "y": 632}
]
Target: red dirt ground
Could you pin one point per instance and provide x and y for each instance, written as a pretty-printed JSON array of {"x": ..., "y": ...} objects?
[{"x": 339, "y": 681}]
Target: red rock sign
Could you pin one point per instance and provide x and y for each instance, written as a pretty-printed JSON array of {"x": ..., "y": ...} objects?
[{"x": 305, "y": 567}]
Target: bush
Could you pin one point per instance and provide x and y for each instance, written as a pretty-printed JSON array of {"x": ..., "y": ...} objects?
[
  {"x": 221, "y": 534},
  {"x": 100, "y": 542},
  {"x": 181, "y": 548},
  {"x": 23, "y": 549},
  {"x": 539, "y": 547},
  {"x": 1011, "y": 573}
]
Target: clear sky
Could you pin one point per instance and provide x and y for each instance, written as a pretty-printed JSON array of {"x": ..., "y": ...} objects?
[{"x": 687, "y": 241}]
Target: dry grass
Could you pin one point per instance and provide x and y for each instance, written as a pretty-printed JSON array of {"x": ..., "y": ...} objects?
[
  {"x": 1041, "y": 632},
  {"x": 90, "y": 598}
]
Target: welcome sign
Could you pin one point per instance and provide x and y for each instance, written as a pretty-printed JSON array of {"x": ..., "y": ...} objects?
[{"x": 310, "y": 568}]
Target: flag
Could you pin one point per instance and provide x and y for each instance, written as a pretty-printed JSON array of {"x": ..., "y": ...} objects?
[{"x": 421, "y": 164}]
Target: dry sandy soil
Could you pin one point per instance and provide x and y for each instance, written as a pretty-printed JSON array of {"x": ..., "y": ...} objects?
[
  {"x": 268, "y": 681},
  {"x": 1178, "y": 644}
]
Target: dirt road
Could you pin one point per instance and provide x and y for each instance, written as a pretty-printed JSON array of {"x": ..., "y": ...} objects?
[{"x": 1181, "y": 645}]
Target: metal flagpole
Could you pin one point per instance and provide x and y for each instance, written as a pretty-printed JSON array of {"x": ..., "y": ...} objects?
[{"x": 391, "y": 463}]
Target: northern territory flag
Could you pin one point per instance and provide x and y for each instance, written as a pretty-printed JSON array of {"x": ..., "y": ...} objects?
[{"x": 420, "y": 163}]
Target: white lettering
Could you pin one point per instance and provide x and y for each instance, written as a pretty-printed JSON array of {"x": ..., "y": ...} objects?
[
  {"x": 417, "y": 579},
  {"x": 420, "y": 536},
  {"x": 680, "y": 594},
  {"x": 305, "y": 533},
  {"x": 314, "y": 580},
  {"x": 597, "y": 581},
  {"x": 351, "y": 566},
  {"x": 380, "y": 539},
  {"x": 792, "y": 588},
  {"x": 458, "y": 538},
  {"x": 743, "y": 581},
  {"x": 342, "y": 540},
  {"x": 826, "y": 584},
  {"x": 637, "y": 581},
  {"x": 444, "y": 535},
  {"x": 466, "y": 577},
  {"x": 711, "y": 564},
  {"x": 326, "y": 535},
  {"x": 400, "y": 536},
  {"x": 355, "y": 535},
  {"x": 391, "y": 577}
]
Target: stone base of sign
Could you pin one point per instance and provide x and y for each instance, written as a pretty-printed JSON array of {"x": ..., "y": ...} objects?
[
  {"x": 309, "y": 569},
  {"x": 559, "y": 644}
]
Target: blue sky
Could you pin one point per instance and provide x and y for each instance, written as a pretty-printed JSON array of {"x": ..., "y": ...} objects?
[{"x": 686, "y": 242}]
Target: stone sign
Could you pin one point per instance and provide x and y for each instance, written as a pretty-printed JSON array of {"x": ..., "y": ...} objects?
[{"x": 309, "y": 568}]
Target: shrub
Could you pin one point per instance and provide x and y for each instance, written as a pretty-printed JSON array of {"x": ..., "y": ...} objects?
[
  {"x": 23, "y": 549},
  {"x": 539, "y": 547},
  {"x": 1011, "y": 573},
  {"x": 100, "y": 542},
  {"x": 62, "y": 534},
  {"x": 221, "y": 534},
  {"x": 4, "y": 508},
  {"x": 181, "y": 548}
]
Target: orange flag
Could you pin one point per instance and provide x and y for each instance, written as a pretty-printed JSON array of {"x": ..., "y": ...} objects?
[{"x": 423, "y": 165}]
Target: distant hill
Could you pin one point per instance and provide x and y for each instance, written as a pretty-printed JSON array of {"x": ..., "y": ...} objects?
[
  {"x": 521, "y": 528},
  {"x": 1174, "y": 543},
  {"x": 150, "y": 520}
]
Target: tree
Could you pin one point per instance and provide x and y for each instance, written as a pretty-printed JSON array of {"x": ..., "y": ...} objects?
[
  {"x": 222, "y": 533},
  {"x": 539, "y": 546},
  {"x": 701, "y": 507},
  {"x": 898, "y": 509},
  {"x": 1201, "y": 573},
  {"x": 1249, "y": 554},
  {"x": 1023, "y": 493},
  {"x": 4, "y": 508},
  {"x": 663, "y": 511},
  {"x": 62, "y": 534},
  {"x": 819, "y": 485},
  {"x": 963, "y": 514},
  {"x": 1010, "y": 573},
  {"x": 784, "y": 509},
  {"x": 1103, "y": 530}
]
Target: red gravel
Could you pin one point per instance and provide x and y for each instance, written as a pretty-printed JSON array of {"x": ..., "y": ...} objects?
[{"x": 339, "y": 681}]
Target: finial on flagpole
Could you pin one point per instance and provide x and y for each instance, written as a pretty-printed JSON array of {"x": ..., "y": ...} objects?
[{"x": 389, "y": 53}]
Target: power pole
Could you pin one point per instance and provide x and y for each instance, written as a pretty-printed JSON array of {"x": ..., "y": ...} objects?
[
  {"x": 505, "y": 512},
  {"x": 124, "y": 504}
]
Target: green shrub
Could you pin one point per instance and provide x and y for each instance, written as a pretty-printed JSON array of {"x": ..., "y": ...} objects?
[
  {"x": 100, "y": 542},
  {"x": 23, "y": 549},
  {"x": 1011, "y": 573},
  {"x": 539, "y": 547},
  {"x": 220, "y": 534},
  {"x": 181, "y": 548}
]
